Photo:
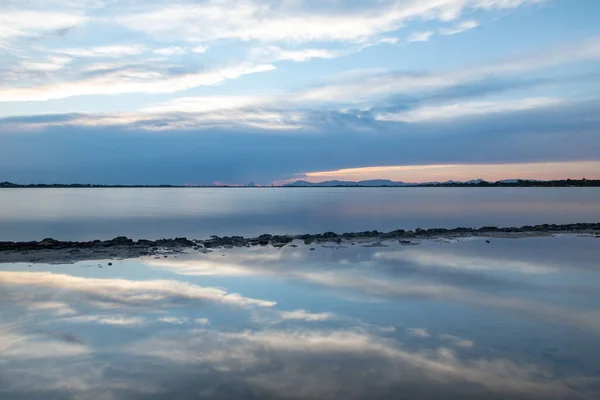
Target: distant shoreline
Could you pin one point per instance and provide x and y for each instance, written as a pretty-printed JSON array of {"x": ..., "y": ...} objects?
[
  {"x": 51, "y": 251},
  {"x": 301, "y": 184}
]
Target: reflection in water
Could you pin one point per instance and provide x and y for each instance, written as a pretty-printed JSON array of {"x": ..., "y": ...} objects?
[
  {"x": 88, "y": 214},
  {"x": 509, "y": 319}
]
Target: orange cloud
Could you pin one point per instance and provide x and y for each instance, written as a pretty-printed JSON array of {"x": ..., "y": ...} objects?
[{"x": 461, "y": 172}]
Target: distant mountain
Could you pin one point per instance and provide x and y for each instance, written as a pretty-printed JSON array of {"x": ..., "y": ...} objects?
[
  {"x": 368, "y": 183},
  {"x": 474, "y": 182}
]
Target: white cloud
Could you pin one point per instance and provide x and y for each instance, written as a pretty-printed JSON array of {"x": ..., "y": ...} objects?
[
  {"x": 175, "y": 320},
  {"x": 127, "y": 292},
  {"x": 51, "y": 64},
  {"x": 465, "y": 262},
  {"x": 297, "y": 350},
  {"x": 55, "y": 307},
  {"x": 375, "y": 86},
  {"x": 420, "y": 36},
  {"x": 274, "y": 53},
  {"x": 468, "y": 109},
  {"x": 205, "y": 104},
  {"x": 265, "y": 120},
  {"x": 17, "y": 23},
  {"x": 306, "y": 315},
  {"x": 457, "y": 341},
  {"x": 418, "y": 332},
  {"x": 584, "y": 319},
  {"x": 171, "y": 51},
  {"x": 103, "y": 51},
  {"x": 289, "y": 21},
  {"x": 122, "y": 320},
  {"x": 183, "y": 320},
  {"x": 21, "y": 347},
  {"x": 200, "y": 49},
  {"x": 129, "y": 81},
  {"x": 388, "y": 40},
  {"x": 461, "y": 27}
]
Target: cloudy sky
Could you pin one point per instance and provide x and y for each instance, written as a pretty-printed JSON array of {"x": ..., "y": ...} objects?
[{"x": 156, "y": 91}]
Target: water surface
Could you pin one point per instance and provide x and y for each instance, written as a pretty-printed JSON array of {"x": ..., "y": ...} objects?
[
  {"x": 85, "y": 214},
  {"x": 463, "y": 319}
]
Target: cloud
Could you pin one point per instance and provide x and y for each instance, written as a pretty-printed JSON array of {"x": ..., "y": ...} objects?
[
  {"x": 55, "y": 307},
  {"x": 200, "y": 49},
  {"x": 468, "y": 109},
  {"x": 51, "y": 64},
  {"x": 305, "y": 315},
  {"x": 368, "y": 88},
  {"x": 206, "y": 104},
  {"x": 582, "y": 319},
  {"x": 290, "y": 21},
  {"x": 129, "y": 81},
  {"x": 29, "y": 23},
  {"x": 103, "y": 51},
  {"x": 252, "y": 353},
  {"x": 174, "y": 51},
  {"x": 459, "y": 28},
  {"x": 471, "y": 263},
  {"x": 353, "y": 280},
  {"x": 183, "y": 321},
  {"x": 418, "y": 332},
  {"x": 420, "y": 36},
  {"x": 210, "y": 266},
  {"x": 128, "y": 292},
  {"x": 274, "y": 53},
  {"x": 15, "y": 345},
  {"x": 458, "y": 172},
  {"x": 457, "y": 341},
  {"x": 120, "y": 320}
]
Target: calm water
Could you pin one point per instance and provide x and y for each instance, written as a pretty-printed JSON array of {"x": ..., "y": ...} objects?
[
  {"x": 460, "y": 320},
  {"x": 78, "y": 214}
]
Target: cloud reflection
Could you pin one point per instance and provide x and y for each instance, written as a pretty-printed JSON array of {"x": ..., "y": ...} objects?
[
  {"x": 256, "y": 355},
  {"x": 460, "y": 277},
  {"x": 128, "y": 292},
  {"x": 319, "y": 334}
]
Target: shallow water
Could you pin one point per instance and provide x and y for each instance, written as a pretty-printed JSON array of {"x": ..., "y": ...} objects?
[
  {"x": 461, "y": 319},
  {"x": 87, "y": 214}
]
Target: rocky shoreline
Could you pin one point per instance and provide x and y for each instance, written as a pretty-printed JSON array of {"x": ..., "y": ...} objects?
[{"x": 50, "y": 250}]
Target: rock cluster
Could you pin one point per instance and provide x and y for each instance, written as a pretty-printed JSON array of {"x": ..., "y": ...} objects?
[{"x": 283, "y": 240}]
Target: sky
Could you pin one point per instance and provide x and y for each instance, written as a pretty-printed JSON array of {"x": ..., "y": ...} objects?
[{"x": 197, "y": 92}]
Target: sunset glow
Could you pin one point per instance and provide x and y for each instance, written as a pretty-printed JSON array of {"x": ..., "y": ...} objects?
[{"x": 461, "y": 172}]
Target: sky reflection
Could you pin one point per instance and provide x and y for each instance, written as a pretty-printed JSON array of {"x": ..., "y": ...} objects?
[
  {"x": 460, "y": 319},
  {"x": 89, "y": 214}
]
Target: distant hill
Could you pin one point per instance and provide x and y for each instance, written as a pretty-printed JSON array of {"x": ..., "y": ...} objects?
[
  {"x": 367, "y": 183},
  {"x": 471, "y": 183}
]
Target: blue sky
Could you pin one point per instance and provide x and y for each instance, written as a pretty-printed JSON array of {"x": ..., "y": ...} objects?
[{"x": 109, "y": 91}]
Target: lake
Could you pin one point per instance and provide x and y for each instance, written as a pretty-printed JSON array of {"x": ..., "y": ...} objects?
[
  {"x": 86, "y": 214},
  {"x": 446, "y": 319}
]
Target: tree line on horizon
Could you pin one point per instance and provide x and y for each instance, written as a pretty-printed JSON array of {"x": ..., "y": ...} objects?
[{"x": 518, "y": 183}]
